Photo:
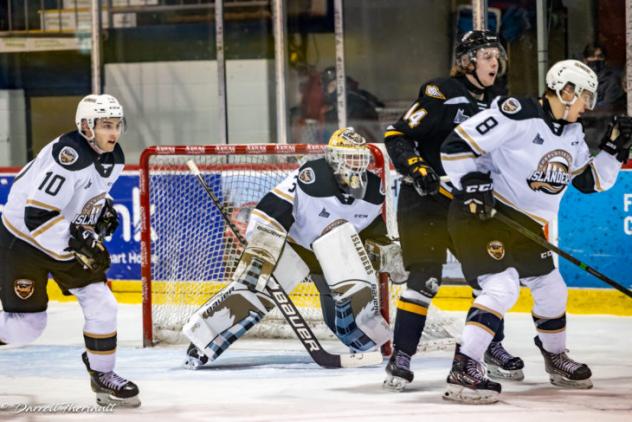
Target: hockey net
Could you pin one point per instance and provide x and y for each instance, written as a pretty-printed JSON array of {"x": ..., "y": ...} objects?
[{"x": 189, "y": 253}]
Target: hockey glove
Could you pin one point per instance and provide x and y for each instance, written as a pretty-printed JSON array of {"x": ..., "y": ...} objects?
[
  {"x": 108, "y": 220},
  {"x": 425, "y": 179},
  {"x": 477, "y": 195},
  {"x": 618, "y": 138},
  {"x": 88, "y": 249}
]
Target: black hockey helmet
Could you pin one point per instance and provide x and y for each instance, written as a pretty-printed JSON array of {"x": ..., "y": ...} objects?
[{"x": 471, "y": 42}]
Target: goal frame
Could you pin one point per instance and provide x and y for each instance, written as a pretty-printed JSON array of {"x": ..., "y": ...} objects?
[{"x": 378, "y": 167}]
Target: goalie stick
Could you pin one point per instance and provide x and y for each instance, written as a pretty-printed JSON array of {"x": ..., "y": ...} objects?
[
  {"x": 546, "y": 244},
  {"x": 283, "y": 302}
]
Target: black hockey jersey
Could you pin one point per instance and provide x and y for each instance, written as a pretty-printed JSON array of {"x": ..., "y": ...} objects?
[
  {"x": 309, "y": 200},
  {"x": 66, "y": 183},
  {"x": 441, "y": 105}
]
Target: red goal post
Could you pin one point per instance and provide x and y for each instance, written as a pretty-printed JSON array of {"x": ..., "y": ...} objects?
[{"x": 187, "y": 252}]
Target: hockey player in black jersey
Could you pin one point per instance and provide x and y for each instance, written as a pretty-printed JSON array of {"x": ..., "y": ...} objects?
[
  {"x": 310, "y": 224},
  {"x": 413, "y": 144},
  {"x": 54, "y": 222},
  {"x": 517, "y": 158}
]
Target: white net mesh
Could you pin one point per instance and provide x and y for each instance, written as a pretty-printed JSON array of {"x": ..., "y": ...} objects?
[{"x": 194, "y": 253}]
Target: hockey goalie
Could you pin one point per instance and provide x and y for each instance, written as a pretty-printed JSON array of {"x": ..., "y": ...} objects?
[{"x": 312, "y": 224}]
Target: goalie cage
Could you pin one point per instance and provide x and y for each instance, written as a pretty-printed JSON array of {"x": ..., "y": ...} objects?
[{"x": 189, "y": 253}]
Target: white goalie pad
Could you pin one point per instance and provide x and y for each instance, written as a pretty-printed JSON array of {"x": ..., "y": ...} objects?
[
  {"x": 260, "y": 257},
  {"x": 353, "y": 282},
  {"x": 236, "y": 308}
]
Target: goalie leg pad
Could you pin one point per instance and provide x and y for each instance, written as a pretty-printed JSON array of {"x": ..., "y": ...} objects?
[
  {"x": 265, "y": 245},
  {"x": 353, "y": 283},
  {"x": 236, "y": 308},
  {"x": 225, "y": 318}
]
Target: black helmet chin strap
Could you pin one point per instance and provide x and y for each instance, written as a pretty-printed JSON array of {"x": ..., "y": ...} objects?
[{"x": 473, "y": 88}]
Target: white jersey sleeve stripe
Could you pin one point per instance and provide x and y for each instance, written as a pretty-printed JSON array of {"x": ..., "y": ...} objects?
[
  {"x": 48, "y": 225},
  {"x": 15, "y": 232},
  {"x": 283, "y": 195},
  {"x": 43, "y": 205},
  {"x": 469, "y": 140}
]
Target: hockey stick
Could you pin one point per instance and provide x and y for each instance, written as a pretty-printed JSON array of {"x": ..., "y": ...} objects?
[
  {"x": 546, "y": 244},
  {"x": 288, "y": 308}
]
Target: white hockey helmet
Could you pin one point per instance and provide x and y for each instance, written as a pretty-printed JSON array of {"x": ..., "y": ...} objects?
[
  {"x": 349, "y": 157},
  {"x": 93, "y": 107},
  {"x": 579, "y": 76}
]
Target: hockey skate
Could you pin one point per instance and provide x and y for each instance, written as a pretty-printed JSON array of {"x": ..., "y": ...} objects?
[
  {"x": 398, "y": 373},
  {"x": 467, "y": 382},
  {"x": 564, "y": 371},
  {"x": 501, "y": 364},
  {"x": 111, "y": 388},
  {"x": 195, "y": 358}
]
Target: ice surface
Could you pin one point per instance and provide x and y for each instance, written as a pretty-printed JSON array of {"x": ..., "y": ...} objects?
[{"x": 274, "y": 380}]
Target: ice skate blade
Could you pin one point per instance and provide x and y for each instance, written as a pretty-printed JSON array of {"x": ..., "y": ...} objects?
[
  {"x": 560, "y": 381},
  {"x": 105, "y": 399},
  {"x": 395, "y": 384},
  {"x": 496, "y": 372},
  {"x": 466, "y": 395}
]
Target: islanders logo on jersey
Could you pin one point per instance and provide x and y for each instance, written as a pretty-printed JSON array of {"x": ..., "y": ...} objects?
[{"x": 553, "y": 172}]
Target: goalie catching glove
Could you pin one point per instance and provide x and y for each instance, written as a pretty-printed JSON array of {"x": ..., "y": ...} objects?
[
  {"x": 88, "y": 249},
  {"x": 618, "y": 138}
]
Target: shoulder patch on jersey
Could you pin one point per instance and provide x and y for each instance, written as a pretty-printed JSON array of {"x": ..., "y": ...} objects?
[
  {"x": 307, "y": 176},
  {"x": 511, "y": 106},
  {"x": 72, "y": 152},
  {"x": 68, "y": 155},
  {"x": 433, "y": 91}
]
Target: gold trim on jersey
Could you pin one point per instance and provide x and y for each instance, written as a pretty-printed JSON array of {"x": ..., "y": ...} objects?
[
  {"x": 507, "y": 202},
  {"x": 595, "y": 173},
  {"x": 580, "y": 170},
  {"x": 393, "y": 133},
  {"x": 17, "y": 233},
  {"x": 283, "y": 195},
  {"x": 47, "y": 226},
  {"x": 470, "y": 141},
  {"x": 488, "y": 310},
  {"x": 43, "y": 205},
  {"x": 459, "y": 156},
  {"x": 443, "y": 191},
  {"x": 262, "y": 215}
]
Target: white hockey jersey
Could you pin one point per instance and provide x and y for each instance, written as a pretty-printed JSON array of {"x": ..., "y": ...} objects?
[
  {"x": 531, "y": 158},
  {"x": 66, "y": 183},
  {"x": 309, "y": 200}
]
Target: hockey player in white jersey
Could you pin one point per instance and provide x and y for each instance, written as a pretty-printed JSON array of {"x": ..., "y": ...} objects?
[
  {"x": 57, "y": 214},
  {"x": 308, "y": 224},
  {"x": 517, "y": 159}
]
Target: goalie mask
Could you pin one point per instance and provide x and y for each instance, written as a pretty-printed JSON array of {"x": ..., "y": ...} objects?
[
  {"x": 93, "y": 107},
  {"x": 579, "y": 77},
  {"x": 349, "y": 157}
]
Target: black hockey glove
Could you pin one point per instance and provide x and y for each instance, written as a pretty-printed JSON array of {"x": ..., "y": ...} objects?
[
  {"x": 477, "y": 195},
  {"x": 108, "y": 220},
  {"x": 88, "y": 249},
  {"x": 618, "y": 138},
  {"x": 425, "y": 179}
]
